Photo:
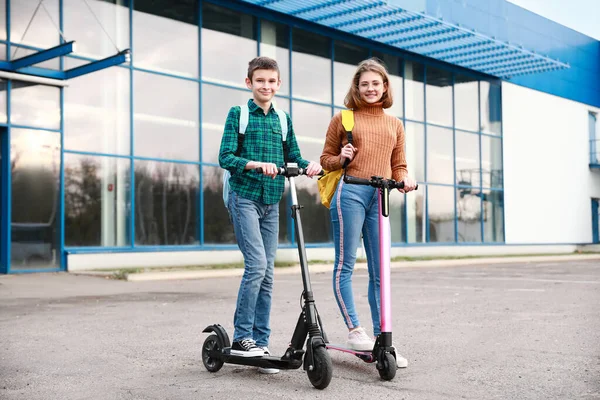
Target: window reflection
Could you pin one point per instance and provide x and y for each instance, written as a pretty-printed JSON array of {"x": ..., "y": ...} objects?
[
  {"x": 218, "y": 228},
  {"x": 394, "y": 66},
  {"x": 165, "y": 37},
  {"x": 414, "y": 75},
  {"x": 35, "y": 105},
  {"x": 468, "y": 208},
  {"x": 97, "y": 201},
  {"x": 415, "y": 150},
  {"x": 439, "y": 96},
  {"x": 493, "y": 216},
  {"x": 228, "y": 44},
  {"x": 467, "y": 159},
  {"x": 347, "y": 57},
  {"x": 97, "y": 111},
  {"x": 311, "y": 66},
  {"x": 491, "y": 161},
  {"x": 35, "y": 173},
  {"x": 310, "y": 125},
  {"x": 274, "y": 43},
  {"x": 3, "y": 116},
  {"x": 2, "y": 23},
  {"x": 40, "y": 31},
  {"x": 491, "y": 108},
  {"x": 99, "y": 32},
  {"x": 440, "y": 206},
  {"x": 216, "y": 102},
  {"x": 415, "y": 215},
  {"x": 397, "y": 216},
  {"x": 440, "y": 163},
  {"x": 466, "y": 103},
  {"x": 166, "y": 117},
  {"x": 166, "y": 203}
]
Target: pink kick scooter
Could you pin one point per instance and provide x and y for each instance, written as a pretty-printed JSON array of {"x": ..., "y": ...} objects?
[{"x": 383, "y": 353}]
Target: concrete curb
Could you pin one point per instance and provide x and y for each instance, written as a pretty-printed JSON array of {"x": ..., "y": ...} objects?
[{"x": 323, "y": 268}]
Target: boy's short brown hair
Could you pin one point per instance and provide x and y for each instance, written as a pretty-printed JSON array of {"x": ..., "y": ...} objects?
[{"x": 262, "y": 63}]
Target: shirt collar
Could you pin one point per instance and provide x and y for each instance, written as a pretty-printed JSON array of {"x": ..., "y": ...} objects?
[{"x": 253, "y": 107}]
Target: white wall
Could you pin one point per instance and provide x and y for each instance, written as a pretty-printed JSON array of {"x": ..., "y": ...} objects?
[{"x": 547, "y": 180}]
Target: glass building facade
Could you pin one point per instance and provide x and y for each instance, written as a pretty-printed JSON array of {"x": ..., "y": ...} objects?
[{"x": 126, "y": 159}]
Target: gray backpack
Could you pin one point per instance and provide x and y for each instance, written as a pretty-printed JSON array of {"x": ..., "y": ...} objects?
[{"x": 243, "y": 124}]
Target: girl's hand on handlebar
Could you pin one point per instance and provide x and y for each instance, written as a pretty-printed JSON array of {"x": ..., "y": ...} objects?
[
  {"x": 313, "y": 169},
  {"x": 409, "y": 185}
]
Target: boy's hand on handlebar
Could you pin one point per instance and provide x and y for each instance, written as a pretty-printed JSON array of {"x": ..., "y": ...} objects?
[
  {"x": 268, "y": 169},
  {"x": 313, "y": 169},
  {"x": 409, "y": 185}
]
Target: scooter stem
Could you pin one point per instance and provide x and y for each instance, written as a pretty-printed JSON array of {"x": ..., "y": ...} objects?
[{"x": 384, "y": 260}]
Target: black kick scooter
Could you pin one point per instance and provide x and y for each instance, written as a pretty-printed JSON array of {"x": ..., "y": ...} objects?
[{"x": 216, "y": 349}]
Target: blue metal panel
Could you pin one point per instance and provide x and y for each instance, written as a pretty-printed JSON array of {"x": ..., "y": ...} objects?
[
  {"x": 62, "y": 256},
  {"x": 42, "y": 56},
  {"x": 595, "y": 221},
  {"x": 386, "y": 22},
  {"x": 123, "y": 56}
]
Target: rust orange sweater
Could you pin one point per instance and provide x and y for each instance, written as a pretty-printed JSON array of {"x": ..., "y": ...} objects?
[{"x": 379, "y": 142}]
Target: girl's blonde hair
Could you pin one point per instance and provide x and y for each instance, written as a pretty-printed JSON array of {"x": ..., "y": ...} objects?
[{"x": 353, "y": 100}]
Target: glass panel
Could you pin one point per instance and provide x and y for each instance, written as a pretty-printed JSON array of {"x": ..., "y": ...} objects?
[
  {"x": 3, "y": 22},
  {"x": 166, "y": 206},
  {"x": 415, "y": 217},
  {"x": 491, "y": 161},
  {"x": 35, "y": 105},
  {"x": 440, "y": 163},
  {"x": 218, "y": 228},
  {"x": 2, "y": 49},
  {"x": 228, "y": 44},
  {"x": 316, "y": 221},
  {"x": 311, "y": 66},
  {"x": 3, "y": 116},
  {"x": 216, "y": 102},
  {"x": 35, "y": 161},
  {"x": 96, "y": 110},
  {"x": 441, "y": 213},
  {"x": 468, "y": 208},
  {"x": 165, "y": 36},
  {"x": 493, "y": 216},
  {"x": 97, "y": 32},
  {"x": 414, "y": 75},
  {"x": 347, "y": 57},
  {"x": 439, "y": 96},
  {"x": 415, "y": 150},
  {"x": 42, "y": 31},
  {"x": 467, "y": 159},
  {"x": 394, "y": 66},
  {"x": 397, "y": 219},
  {"x": 491, "y": 108},
  {"x": 310, "y": 126},
  {"x": 275, "y": 43},
  {"x": 97, "y": 201},
  {"x": 166, "y": 117},
  {"x": 466, "y": 103}
]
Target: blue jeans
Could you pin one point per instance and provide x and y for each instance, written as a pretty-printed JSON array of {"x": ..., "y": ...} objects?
[
  {"x": 256, "y": 227},
  {"x": 355, "y": 210}
]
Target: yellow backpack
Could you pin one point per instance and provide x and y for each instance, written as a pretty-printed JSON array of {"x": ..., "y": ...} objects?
[{"x": 329, "y": 181}]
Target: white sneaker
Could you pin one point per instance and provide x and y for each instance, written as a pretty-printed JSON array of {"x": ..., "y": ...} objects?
[
  {"x": 359, "y": 340},
  {"x": 401, "y": 362},
  {"x": 265, "y": 370}
]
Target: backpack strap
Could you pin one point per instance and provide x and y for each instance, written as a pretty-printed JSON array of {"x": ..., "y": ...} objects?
[{"x": 348, "y": 124}]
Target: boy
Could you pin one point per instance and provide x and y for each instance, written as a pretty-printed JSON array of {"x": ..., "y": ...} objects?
[{"x": 253, "y": 201}]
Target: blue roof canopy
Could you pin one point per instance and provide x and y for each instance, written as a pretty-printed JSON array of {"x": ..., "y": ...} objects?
[{"x": 386, "y": 22}]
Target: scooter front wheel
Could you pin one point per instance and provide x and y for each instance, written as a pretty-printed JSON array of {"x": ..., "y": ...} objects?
[
  {"x": 388, "y": 367},
  {"x": 211, "y": 347},
  {"x": 320, "y": 376}
]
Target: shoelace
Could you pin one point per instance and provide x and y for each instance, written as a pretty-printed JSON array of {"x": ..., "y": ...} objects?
[{"x": 248, "y": 344}]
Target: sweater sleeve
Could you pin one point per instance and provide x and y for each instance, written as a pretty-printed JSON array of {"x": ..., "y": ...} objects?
[
  {"x": 399, "y": 171},
  {"x": 330, "y": 158}
]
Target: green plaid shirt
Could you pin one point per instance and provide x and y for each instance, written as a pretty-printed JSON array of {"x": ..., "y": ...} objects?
[{"x": 262, "y": 143}]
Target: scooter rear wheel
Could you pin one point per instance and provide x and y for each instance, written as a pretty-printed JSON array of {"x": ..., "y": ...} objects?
[
  {"x": 212, "y": 344},
  {"x": 320, "y": 376},
  {"x": 388, "y": 367}
]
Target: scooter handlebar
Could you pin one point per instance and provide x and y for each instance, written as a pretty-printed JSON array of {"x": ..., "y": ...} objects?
[
  {"x": 289, "y": 171},
  {"x": 375, "y": 181}
]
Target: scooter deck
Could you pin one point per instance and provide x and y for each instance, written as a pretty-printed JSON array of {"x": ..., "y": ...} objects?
[
  {"x": 263, "y": 361},
  {"x": 365, "y": 355}
]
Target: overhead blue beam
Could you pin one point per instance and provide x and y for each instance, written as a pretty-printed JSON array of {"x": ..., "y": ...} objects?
[
  {"x": 43, "y": 55},
  {"x": 117, "y": 59},
  {"x": 42, "y": 72}
]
